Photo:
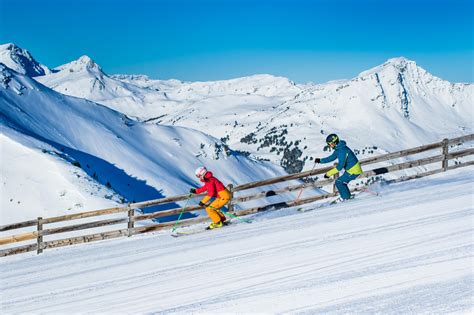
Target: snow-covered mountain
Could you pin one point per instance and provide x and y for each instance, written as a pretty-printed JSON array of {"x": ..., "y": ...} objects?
[
  {"x": 85, "y": 79},
  {"x": 21, "y": 61},
  {"x": 389, "y": 107},
  {"x": 137, "y": 161},
  {"x": 394, "y": 106}
]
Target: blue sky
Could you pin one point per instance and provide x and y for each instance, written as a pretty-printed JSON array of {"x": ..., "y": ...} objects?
[{"x": 205, "y": 40}]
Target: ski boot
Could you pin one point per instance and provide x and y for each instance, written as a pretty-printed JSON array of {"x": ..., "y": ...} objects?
[
  {"x": 215, "y": 226},
  {"x": 339, "y": 200}
]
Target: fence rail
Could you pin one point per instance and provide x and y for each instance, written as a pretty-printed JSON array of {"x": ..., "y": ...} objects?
[{"x": 131, "y": 217}]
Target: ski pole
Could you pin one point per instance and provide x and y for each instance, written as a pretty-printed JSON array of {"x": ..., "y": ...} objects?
[
  {"x": 301, "y": 191},
  {"x": 367, "y": 190},
  {"x": 231, "y": 215},
  {"x": 236, "y": 217},
  {"x": 181, "y": 213}
]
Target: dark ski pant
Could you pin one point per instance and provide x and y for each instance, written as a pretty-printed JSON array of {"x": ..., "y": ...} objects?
[{"x": 341, "y": 184}]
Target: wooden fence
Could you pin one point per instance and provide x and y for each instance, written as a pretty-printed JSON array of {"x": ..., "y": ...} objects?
[{"x": 128, "y": 220}]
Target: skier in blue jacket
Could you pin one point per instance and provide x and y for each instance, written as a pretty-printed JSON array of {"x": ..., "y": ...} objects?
[{"x": 346, "y": 160}]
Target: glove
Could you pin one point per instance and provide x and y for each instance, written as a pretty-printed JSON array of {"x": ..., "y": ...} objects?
[
  {"x": 326, "y": 176},
  {"x": 202, "y": 204},
  {"x": 317, "y": 160},
  {"x": 192, "y": 190}
]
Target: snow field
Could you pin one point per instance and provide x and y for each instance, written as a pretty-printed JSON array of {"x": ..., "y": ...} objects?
[{"x": 408, "y": 251}]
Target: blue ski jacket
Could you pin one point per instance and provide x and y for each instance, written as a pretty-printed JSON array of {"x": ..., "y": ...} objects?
[{"x": 346, "y": 160}]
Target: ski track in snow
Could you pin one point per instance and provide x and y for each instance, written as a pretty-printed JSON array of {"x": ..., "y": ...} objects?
[{"x": 408, "y": 251}]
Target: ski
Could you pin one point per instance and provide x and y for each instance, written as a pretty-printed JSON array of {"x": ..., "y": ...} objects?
[
  {"x": 186, "y": 233},
  {"x": 322, "y": 205},
  {"x": 192, "y": 232},
  {"x": 338, "y": 201}
]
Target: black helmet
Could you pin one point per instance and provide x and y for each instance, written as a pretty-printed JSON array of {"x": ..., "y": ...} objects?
[{"x": 332, "y": 138}]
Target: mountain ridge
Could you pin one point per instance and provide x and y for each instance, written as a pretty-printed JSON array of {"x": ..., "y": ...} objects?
[
  {"x": 272, "y": 118},
  {"x": 21, "y": 60}
]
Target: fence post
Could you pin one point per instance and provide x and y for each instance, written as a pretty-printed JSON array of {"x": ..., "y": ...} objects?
[
  {"x": 444, "y": 164},
  {"x": 39, "y": 239},
  {"x": 230, "y": 206},
  {"x": 131, "y": 223},
  {"x": 334, "y": 188}
]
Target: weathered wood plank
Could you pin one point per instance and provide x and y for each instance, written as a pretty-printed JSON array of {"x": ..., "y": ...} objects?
[
  {"x": 429, "y": 173},
  {"x": 402, "y": 166},
  {"x": 164, "y": 213},
  {"x": 412, "y": 151},
  {"x": 273, "y": 192},
  {"x": 86, "y": 238},
  {"x": 84, "y": 226},
  {"x": 287, "y": 204},
  {"x": 18, "y": 250},
  {"x": 399, "y": 154},
  {"x": 280, "y": 179},
  {"x": 149, "y": 203},
  {"x": 131, "y": 223},
  {"x": 468, "y": 163},
  {"x": 453, "y": 167},
  {"x": 83, "y": 215},
  {"x": 230, "y": 205},
  {"x": 415, "y": 163},
  {"x": 164, "y": 225},
  {"x": 414, "y": 176},
  {"x": 39, "y": 239},
  {"x": 461, "y": 139},
  {"x": 18, "y": 238},
  {"x": 76, "y": 227},
  {"x": 460, "y": 153},
  {"x": 444, "y": 162},
  {"x": 18, "y": 225}
]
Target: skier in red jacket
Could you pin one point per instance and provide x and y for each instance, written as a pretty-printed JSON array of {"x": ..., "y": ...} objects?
[{"x": 217, "y": 197}]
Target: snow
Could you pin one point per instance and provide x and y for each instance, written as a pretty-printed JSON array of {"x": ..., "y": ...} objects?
[
  {"x": 84, "y": 78},
  {"x": 37, "y": 181},
  {"x": 137, "y": 161},
  {"x": 392, "y": 107},
  {"x": 408, "y": 251},
  {"x": 21, "y": 60}
]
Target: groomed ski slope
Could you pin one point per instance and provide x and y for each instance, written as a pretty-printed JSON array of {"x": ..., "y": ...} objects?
[{"x": 408, "y": 251}]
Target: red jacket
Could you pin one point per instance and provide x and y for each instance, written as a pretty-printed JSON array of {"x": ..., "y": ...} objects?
[{"x": 211, "y": 184}]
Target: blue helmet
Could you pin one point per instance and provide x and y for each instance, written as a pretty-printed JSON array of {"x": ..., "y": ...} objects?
[{"x": 332, "y": 138}]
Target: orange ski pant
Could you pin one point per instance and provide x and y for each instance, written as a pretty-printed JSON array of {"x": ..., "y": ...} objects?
[{"x": 212, "y": 210}]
